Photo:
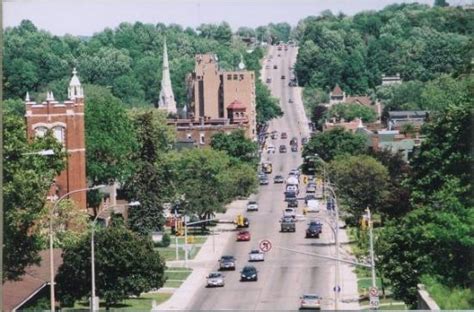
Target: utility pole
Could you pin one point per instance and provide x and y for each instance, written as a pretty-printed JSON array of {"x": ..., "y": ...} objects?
[
  {"x": 176, "y": 233},
  {"x": 372, "y": 261}
]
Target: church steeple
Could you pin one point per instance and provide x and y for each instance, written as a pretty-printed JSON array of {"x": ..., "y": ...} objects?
[
  {"x": 167, "y": 101},
  {"x": 75, "y": 89}
]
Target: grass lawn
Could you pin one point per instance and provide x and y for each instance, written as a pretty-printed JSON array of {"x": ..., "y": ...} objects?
[
  {"x": 197, "y": 240},
  {"x": 169, "y": 253},
  {"x": 173, "y": 284},
  {"x": 366, "y": 283},
  {"x": 177, "y": 275},
  {"x": 144, "y": 302}
]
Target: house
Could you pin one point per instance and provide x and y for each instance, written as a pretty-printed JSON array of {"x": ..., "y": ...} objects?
[
  {"x": 337, "y": 95},
  {"x": 33, "y": 285},
  {"x": 396, "y": 119}
]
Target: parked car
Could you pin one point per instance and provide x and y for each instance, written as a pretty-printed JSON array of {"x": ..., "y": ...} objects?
[
  {"x": 269, "y": 80},
  {"x": 314, "y": 229},
  {"x": 243, "y": 236},
  {"x": 227, "y": 263},
  {"x": 256, "y": 255},
  {"x": 278, "y": 179},
  {"x": 215, "y": 279},
  {"x": 294, "y": 148},
  {"x": 282, "y": 148},
  {"x": 283, "y": 77},
  {"x": 252, "y": 206},
  {"x": 304, "y": 141},
  {"x": 249, "y": 273},
  {"x": 310, "y": 301},
  {"x": 283, "y": 135}
]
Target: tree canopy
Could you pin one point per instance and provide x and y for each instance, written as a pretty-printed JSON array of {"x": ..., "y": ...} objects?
[{"x": 237, "y": 146}]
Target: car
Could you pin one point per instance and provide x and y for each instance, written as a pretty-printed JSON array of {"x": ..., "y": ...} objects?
[
  {"x": 271, "y": 149},
  {"x": 290, "y": 101},
  {"x": 269, "y": 80},
  {"x": 264, "y": 180},
  {"x": 313, "y": 205},
  {"x": 294, "y": 148},
  {"x": 283, "y": 77},
  {"x": 245, "y": 224},
  {"x": 267, "y": 67},
  {"x": 293, "y": 203},
  {"x": 311, "y": 189},
  {"x": 256, "y": 255},
  {"x": 314, "y": 229},
  {"x": 249, "y": 273},
  {"x": 252, "y": 206},
  {"x": 287, "y": 224},
  {"x": 292, "y": 188},
  {"x": 283, "y": 135},
  {"x": 262, "y": 175},
  {"x": 274, "y": 136},
  {"x": 243, "y": 236},
  {"x": 309, "y": 197},
  {"x": 295, "y": 172},
  {"x": 279, "y": 55},
  {"x": 275, "y": 67},
  {"x": 289, "y": 195},
  {"x": 282, "y": 148},
  {"x": 278, "y": 179},
  {"x": 294, "y": 141},
  {"x": 227, "y": 263},
  {"x": 310, "y": 301},
  {"x": 289, "y": 212},
  {"x": 215, "y": 279},
  {"x": 304, "y": 141}
]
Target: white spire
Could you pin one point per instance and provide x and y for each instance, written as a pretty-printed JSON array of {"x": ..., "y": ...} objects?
[
  {"x": 27, "y": 97},
  {"x": 48, "y": 96},
  {"x": 75, "y": 89},
  {"x": 166, "y": 101},
  {"x": 241, "y": 64},
  {"x": 51, "y": 96},
  {"x": 360, "y": 125}
]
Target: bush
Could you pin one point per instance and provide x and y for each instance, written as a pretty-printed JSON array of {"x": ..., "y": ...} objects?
[
  {"x": 449, "y": 298},
  {"x": 165, "y": 242}
]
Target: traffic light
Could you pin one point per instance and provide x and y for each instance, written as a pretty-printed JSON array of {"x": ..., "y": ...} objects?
[{"x": 305, "y": 179}]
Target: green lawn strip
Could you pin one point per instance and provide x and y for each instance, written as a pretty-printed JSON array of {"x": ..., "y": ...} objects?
[
  {"x": 365, "y": 283},
  {"x": 173, "y": 284},
  {"x": 197, "y": 240},
  {"x": 144, "y": 302},
  {"x": 169, "y": 253},
  {"x": 177, "y": 275}
]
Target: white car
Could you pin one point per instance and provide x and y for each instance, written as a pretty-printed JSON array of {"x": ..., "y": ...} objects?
[
  {"x": 215, "y": 279},
  {"x": 313, "y": 205},
  {"x": 252, "y": 206},
  {"x": 289, "y": 212},
  {"x": 310, "y": 301},
  {"x": 292, "y": 188},
  {"x": 256, "y": 255}
]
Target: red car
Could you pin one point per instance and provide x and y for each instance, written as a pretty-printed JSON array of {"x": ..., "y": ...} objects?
[{"x": 243, "y": 236}]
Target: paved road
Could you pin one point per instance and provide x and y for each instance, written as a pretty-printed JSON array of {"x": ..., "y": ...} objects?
[{"x": 283, "y": 276}]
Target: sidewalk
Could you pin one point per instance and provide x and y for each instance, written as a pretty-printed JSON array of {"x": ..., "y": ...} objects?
[{"x": 204, "y": 261}]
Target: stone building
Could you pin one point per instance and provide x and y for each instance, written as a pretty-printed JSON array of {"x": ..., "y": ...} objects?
[
  {"x": 66, "y": 121},
  {"x": 221, "y": 98}
]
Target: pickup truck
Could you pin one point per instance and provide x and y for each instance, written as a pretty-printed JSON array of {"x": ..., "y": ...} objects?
[{"x": 288, "y": 225}]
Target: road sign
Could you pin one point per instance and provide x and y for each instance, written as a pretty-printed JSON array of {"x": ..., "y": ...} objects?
[
  {"x": 265, "y": 245},
  {"x": 374, "y": 303},
  {"x": 337, "y": 288},
  {"x": 373, "y": 292}
]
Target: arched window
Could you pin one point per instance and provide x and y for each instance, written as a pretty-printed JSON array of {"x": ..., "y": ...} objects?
[
  {"x": 40, "y": 131},
  {"x": 58, "y": 133}
]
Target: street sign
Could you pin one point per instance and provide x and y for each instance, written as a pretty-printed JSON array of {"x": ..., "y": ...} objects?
[
  {"x": 374, "y": 303},
  {"x": 265, "y": 245},
  {"x": 373, "y": 292}
]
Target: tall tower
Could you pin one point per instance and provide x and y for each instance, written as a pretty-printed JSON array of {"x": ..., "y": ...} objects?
[
  {"x": 167, "y": 101},
  {"x": 66, "y": 120}
]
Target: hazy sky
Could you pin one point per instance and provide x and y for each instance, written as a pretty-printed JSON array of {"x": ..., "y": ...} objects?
[{"x": 84, "y": 17}]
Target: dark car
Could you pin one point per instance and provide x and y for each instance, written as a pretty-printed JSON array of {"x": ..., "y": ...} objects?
[
  {"x": 304, "y": 141},
  {"x": 275, "y": 67},
  {"x": 294, "y": 148},
  {"x": 290, "y": 195},
  {"x": 283, "y": 77},
  {"x": 248, "y": 273},
  {"x": 292, "y": 203},
  {"x": 294, "y": 141},
  {"x": 283, "y": 135},
  {"x": 282, "y": 148},
  {"x": 227, "y": 263},
  {"x": 314, "y": 229}
]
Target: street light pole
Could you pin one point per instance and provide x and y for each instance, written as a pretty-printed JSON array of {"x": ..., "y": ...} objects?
[
  {"x": 93, "y": 250},
  {"x": 371, "y": 239},
  {"x": 51, "y": 256},
  {"x": 186, "y": 238}
]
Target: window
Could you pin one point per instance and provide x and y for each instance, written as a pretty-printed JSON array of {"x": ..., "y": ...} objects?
[
  {"x": 202, "y": 138},
  {"x": 40, "y": 131},
  {"x": 58, "y": 133},
  {"x": 235, "y": 77},
  {"x": 229, "y": 77},
  {"x": 241, "y": 77}
]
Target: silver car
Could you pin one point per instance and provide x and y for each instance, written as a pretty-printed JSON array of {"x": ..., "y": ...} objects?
[
  {"x": 256, "y": 255},
  {"x": 252, "y": 206},
  {"x": 215, "y": 279},
  {"x": 310, "y": 301}
]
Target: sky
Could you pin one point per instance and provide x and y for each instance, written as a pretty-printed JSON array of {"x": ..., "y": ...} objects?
[{"x": 85, "y": 17}]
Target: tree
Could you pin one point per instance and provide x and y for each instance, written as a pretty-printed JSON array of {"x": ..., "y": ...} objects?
[
  {"x": 361, "y": 182},
  {"x": 441, "y": 3},
  {"x": 110, "y": 137},
  {"x": 26, "y": 182},
  {"x": 434, "y": 239},
  {"x": 237, "y": 146},
  {"x": 334, "y": 142},
  {"x": 125, "y": 265},
  {"x": 350, "y": 112},
  {"x": 267, "y": 106}
]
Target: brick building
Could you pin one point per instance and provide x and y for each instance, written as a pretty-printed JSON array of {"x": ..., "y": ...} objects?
[
  {"x": 220, "y": 99},
  {"x": 66, "y": 121}
]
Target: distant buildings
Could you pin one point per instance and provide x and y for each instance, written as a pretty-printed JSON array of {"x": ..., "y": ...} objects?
[
  {"x": 396, "y": 119},
  {"x": 337, "y": 96},
  {"x": 66, "y": 121},
  {"x": 390, "y": 80},
  {"x": 218, "y": 101}
]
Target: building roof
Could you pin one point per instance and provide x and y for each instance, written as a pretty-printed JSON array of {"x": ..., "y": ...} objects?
[
  {"x": 364, "y": 100},
  {"x": 337, "y": 90},
  {"x": 404, "y": 114},
  {"x": 236, "y": 105},
  {"x": 16, "y": 293}
]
